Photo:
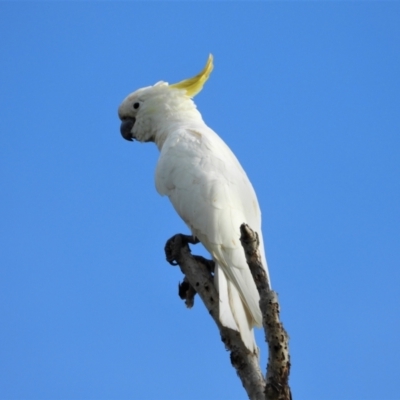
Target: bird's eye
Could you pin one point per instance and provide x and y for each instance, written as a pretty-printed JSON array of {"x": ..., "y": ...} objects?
[{"x": 136, "y": 106}]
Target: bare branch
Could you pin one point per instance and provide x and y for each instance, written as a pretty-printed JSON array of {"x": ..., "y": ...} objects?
[
  {"x": 278, "y": 369},
  {"x": 198, "y": 273}
]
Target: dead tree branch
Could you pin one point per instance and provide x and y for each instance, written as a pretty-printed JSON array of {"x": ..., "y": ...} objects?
[
  {"x": 278, "y": 369},
  {"x": 199, "y": 276},
  {"x": 198, "y": 273}
]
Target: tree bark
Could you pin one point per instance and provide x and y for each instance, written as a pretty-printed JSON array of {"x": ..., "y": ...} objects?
[
  {"x": 278, "y": 369},
  {"x": 198, "y": 273}
]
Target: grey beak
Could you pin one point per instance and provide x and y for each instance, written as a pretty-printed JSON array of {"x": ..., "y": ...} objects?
[{"x": 126, "y": 128}]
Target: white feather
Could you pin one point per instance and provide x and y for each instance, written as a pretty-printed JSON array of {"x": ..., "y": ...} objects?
[
  {"x": 212, "y": 194},
  {"x": 209, "y": 190}
]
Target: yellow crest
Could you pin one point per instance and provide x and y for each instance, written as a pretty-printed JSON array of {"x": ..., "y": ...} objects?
[{"x": 195, "y": 84}]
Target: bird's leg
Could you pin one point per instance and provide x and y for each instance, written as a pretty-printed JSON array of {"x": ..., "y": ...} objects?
[{"x": 190, "y": 239}]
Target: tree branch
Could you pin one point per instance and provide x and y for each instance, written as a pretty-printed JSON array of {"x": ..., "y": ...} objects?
[
  {"x": 278, "y": 369},
  {"x": 201, "y": 279},
  {"x": 198, "y": 273}
]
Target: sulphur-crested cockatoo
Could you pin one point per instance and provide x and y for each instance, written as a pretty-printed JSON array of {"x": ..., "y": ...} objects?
[{"x": 206, "y": 185}]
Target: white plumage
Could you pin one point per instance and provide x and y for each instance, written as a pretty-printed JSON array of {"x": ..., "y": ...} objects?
[{"x": 207, "y": 187}]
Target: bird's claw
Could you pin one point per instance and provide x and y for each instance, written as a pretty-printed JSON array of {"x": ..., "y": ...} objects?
[
  {"x": 174, "y": 244},
  {"x": 187, "y": 292},
  {"x": 170, "y": 251}
]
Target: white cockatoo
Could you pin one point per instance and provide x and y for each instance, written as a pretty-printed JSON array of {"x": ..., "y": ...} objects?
[{"x": 207, "y": 187}]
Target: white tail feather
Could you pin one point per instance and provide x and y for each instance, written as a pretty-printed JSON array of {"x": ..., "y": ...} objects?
[{"x": 232, "y": 311}]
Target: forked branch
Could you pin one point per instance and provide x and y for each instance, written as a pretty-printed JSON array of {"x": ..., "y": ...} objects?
[{"x": 199, "y": 279}]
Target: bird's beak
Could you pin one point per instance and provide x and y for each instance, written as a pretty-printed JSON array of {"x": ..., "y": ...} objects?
[{"x": 126, "y": 128}]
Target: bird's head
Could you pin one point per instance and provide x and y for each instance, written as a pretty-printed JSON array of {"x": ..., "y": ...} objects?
[{"x": 149, "y": 110}]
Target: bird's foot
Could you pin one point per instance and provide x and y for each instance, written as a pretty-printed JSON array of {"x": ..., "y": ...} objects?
[
  {"x": 174, "y": 244},
  {"x": 187, "y": 292}
]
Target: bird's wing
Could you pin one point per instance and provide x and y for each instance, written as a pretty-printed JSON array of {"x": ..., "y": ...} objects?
[{"x": 212, "y": 194}]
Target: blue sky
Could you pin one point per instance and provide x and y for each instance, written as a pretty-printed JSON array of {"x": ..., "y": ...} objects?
[{"x": 307, "y": 96}]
